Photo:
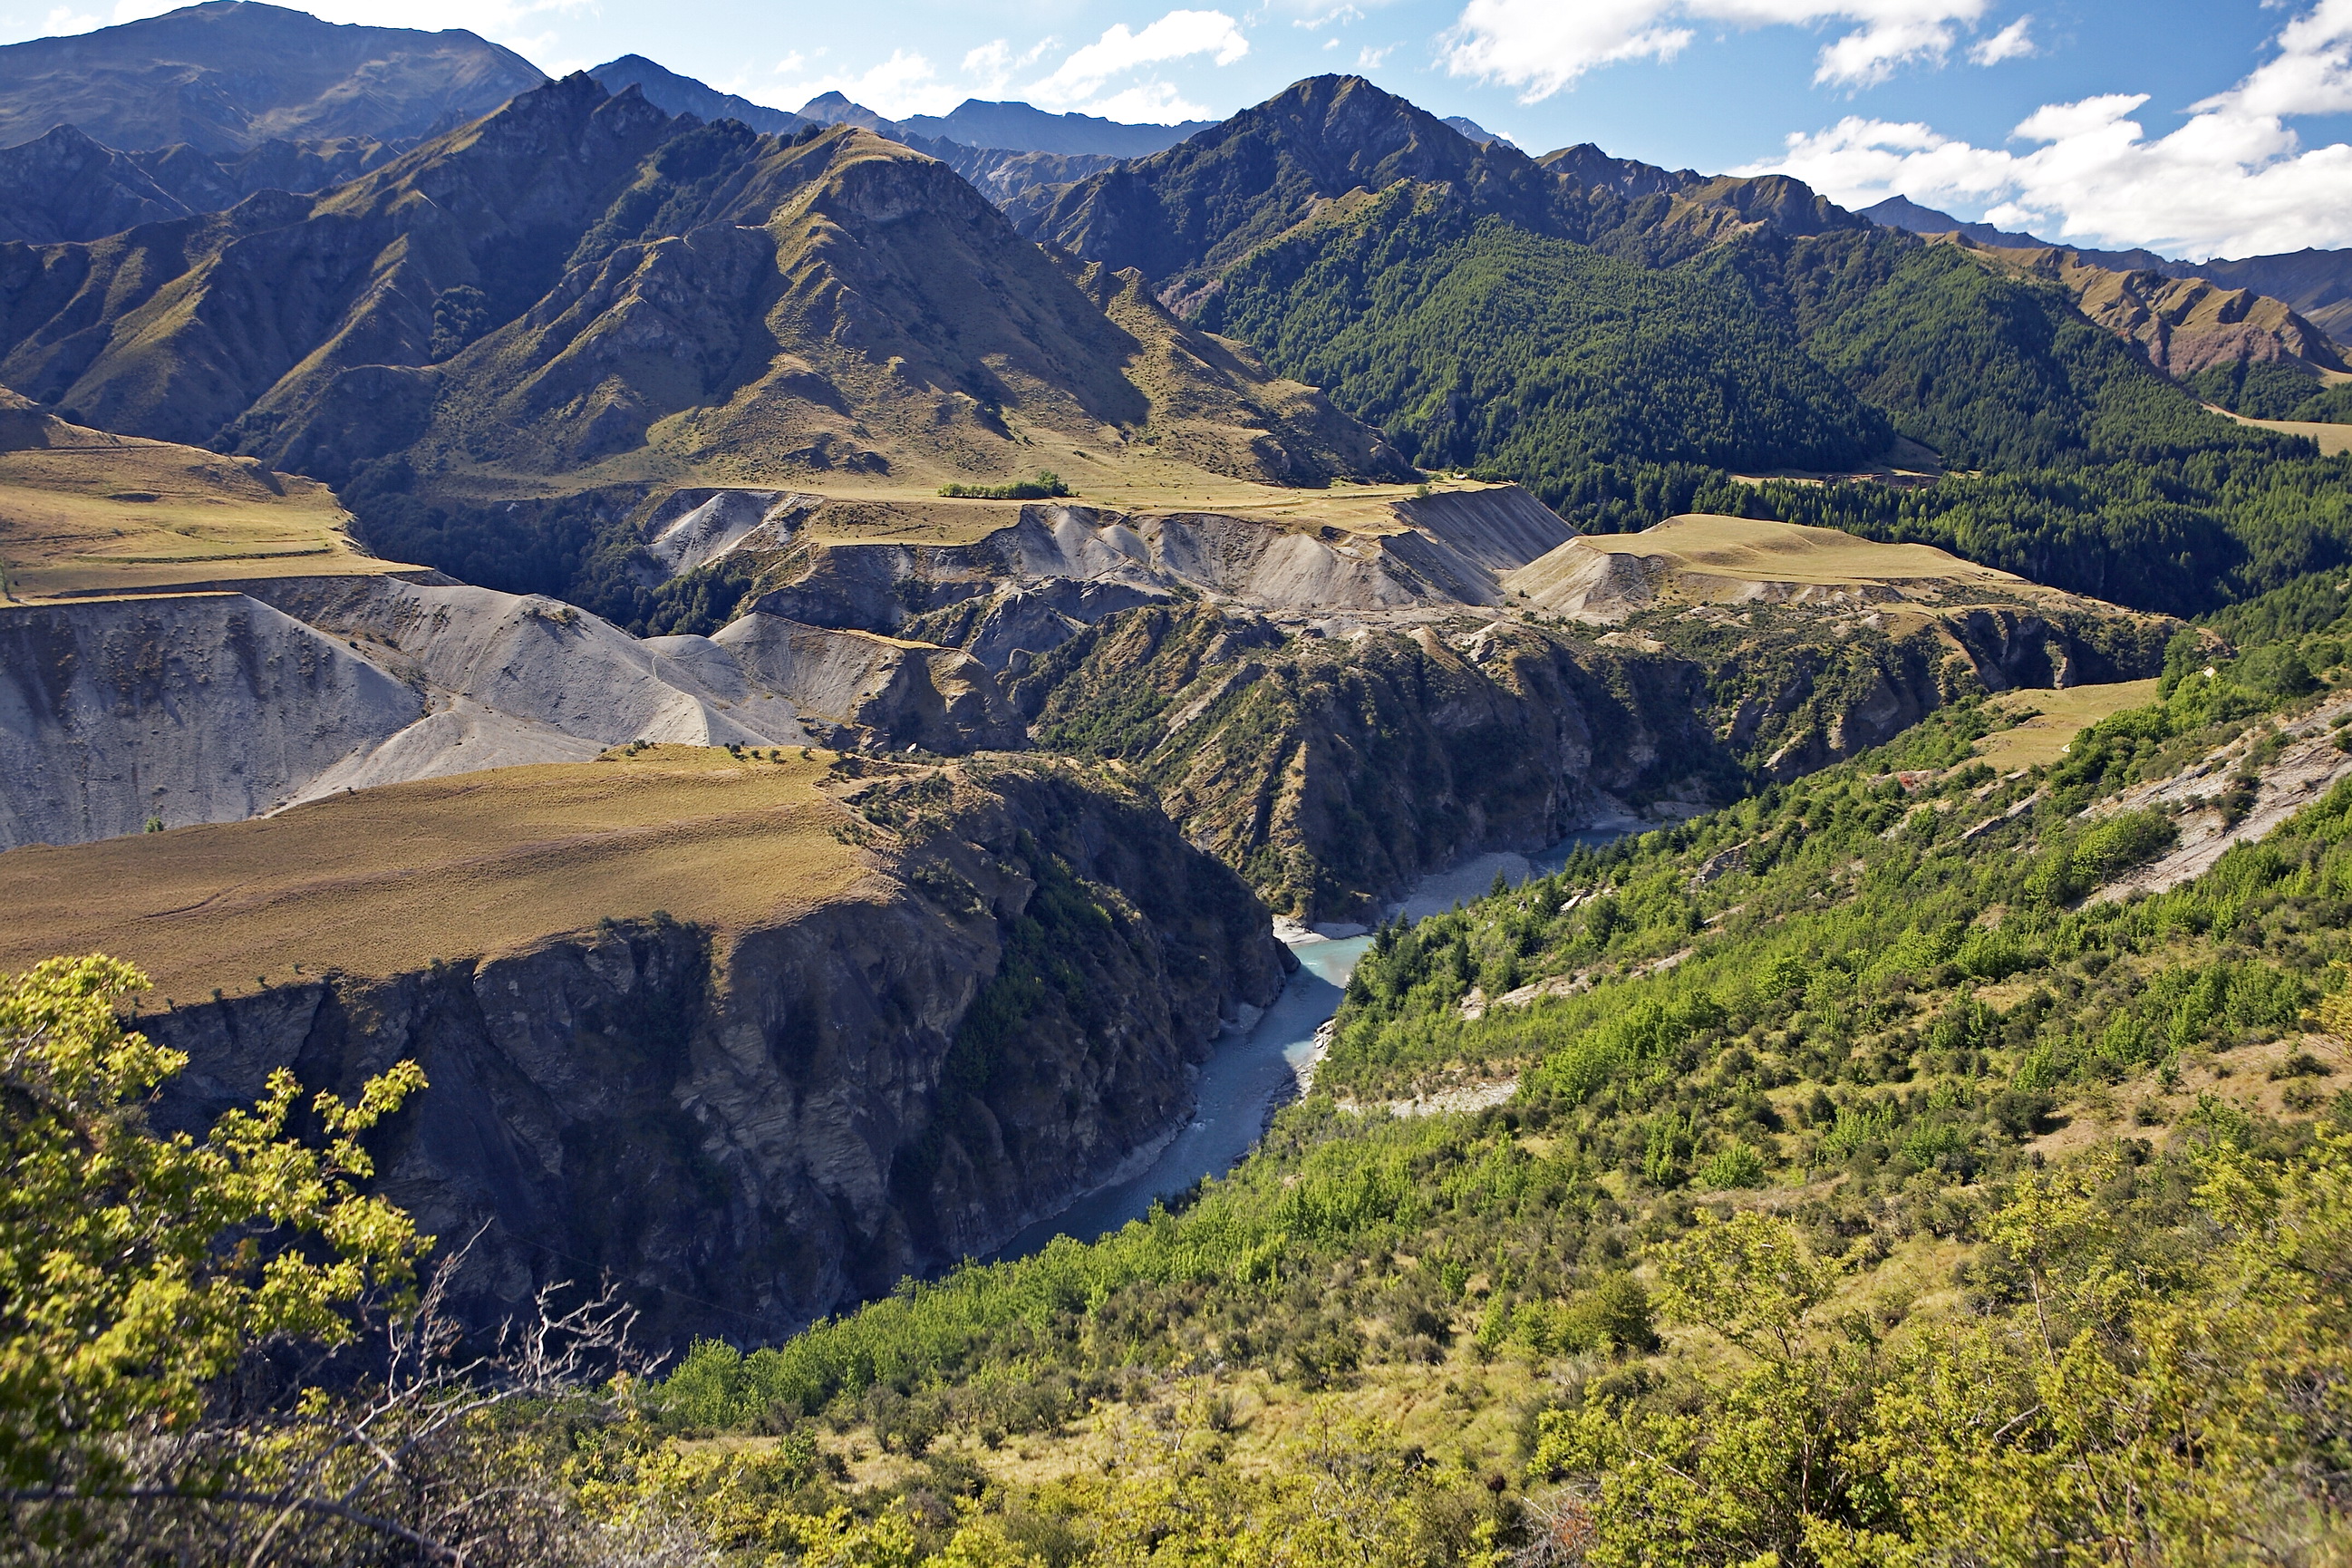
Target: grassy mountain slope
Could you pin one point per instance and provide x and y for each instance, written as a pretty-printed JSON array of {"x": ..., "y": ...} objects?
[
  {"x": 225, "y": 76},
  {"x": 179, "y": 330},
  {"x": 1823, "y": 1103}
]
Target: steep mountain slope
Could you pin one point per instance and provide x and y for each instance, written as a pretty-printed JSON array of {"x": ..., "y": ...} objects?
[
  {"x": 1186, "y": 214},
  {"x": 64, "y": 185},
  {"x": 579, "y": 293},
  {"x": 1476, "y": 343},
  {"x": 2315, "y": 284},
  {"x": 675, "y": 94},
  {"x": 2184, "y": 325},
  {"x": 228, "y": 75},
  {"x": 176, "y": 331},
  {"x": 1004, "y": 176}
]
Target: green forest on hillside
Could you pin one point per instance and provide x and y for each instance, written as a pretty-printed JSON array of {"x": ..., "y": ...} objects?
[
  {"x": 1624, "y": 393},
  {"x": 1479, "y": 343}
]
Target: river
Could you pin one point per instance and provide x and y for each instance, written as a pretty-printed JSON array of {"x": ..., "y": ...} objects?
[{"x": 1250, "y": 1074}]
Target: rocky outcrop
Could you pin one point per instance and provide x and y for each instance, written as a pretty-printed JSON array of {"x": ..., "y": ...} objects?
[
  {"x": 216, "y": 706},
  {"x": 858, "y": 689},
  {"x": 1337, "y": 771},
  {"x": 749, "y": 1129}
]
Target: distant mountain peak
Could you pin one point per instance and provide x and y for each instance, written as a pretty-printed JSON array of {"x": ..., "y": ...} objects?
[
  {"x": 228, "y": 75},
  {"x": 1475, "y": 132},
  {"x": 1024, "y": 128},
  {"x": 666, "y": 89},
  {"x": 834, "y": 108}
]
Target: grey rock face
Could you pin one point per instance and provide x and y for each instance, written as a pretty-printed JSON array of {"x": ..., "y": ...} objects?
[{"x": 197, "y": 708}]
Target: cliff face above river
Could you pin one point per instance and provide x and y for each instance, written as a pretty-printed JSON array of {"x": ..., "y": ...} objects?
[{"x": 834, "y": 1024}]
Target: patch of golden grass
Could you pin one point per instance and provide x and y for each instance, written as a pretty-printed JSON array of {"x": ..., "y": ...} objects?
[
  {"x": 1757, "y": 551},
  {"x": 909, "y": 514},
  {"x": 382, "y": 881},
  {"x": 2059, "y": 716},
  {"x": 82, "y": 512},
  {"x": 2334, "y": 439}
]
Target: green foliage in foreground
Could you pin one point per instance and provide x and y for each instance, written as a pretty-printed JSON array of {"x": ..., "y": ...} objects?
[
  {"x": 136, "y": 1269},
  {"x": 1880, "y": 998},
  {"x": 2159, "y": 1370}
]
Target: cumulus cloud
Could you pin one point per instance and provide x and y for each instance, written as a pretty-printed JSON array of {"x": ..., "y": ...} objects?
[
  {"x": 2012, "y": 42},
  {"x": 1179, "y": 35},
  {"x": 1152, "y": 103},
  {"x": 1543, "y": 47},
  {"x": 2234, "y": 179},
  {"x": 992, "y": 65}
]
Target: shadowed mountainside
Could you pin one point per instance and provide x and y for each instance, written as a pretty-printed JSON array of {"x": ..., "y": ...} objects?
[{"x": 65, "y": 185}]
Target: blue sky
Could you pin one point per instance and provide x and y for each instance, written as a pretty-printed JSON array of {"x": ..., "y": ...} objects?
[{"x": 2198, "y": 127}]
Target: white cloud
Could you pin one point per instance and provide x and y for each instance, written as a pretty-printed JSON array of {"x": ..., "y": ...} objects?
[
  {"x": 992, "y": 65},
  {"x": 793, "y": 64},
  {"x": 2012, "y": 42},
  {"x": 1179, "y": 35},
  {"x": 1153, "y": 103},
  {"x": 907, "y": 83},
  {"x": 2234, "y": 179},
  {"x": 1370, "y": 59},
  {"x": 65, "y": 19},
  {"x": 1544, "y": 47}
]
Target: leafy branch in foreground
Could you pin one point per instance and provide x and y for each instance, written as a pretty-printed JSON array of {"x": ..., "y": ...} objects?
[
  {"x": 165, "y": 1304},
  {"x": 136, "y": 1269}
]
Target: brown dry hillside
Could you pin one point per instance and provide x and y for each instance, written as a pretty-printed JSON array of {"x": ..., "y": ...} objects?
[
  {"x": 384, "y": 881},
  {"x": 1701, "y": 559},
  {"x": 2184, "y": 324},
  {"x": 84, "y": 512},
  {"x": 581, "y": 293}
]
